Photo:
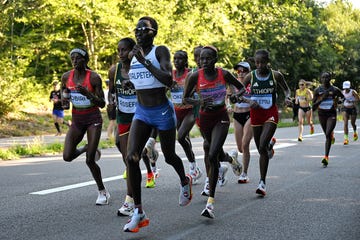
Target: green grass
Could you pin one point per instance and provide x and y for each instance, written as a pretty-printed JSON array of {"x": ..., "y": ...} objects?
[
  {"x": 38, "y": 148},
  {"x": 39, "y": 123},
  {"x": 26, "y": 124}
]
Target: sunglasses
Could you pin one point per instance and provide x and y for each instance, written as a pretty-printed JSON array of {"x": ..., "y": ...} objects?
[
  {"x": 301, "y": 84},
  {"x": 144, "y": 29},
  {"x": 242, "y": 71}
]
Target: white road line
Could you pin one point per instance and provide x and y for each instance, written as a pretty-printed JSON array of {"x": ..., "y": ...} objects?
[
  {"x": 77, "y": 185},
  {"x": 276, "y": 146},
  {"x": 84, "y": 184}
]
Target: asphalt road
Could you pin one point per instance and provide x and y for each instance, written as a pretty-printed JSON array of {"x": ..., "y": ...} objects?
[{"x": 46, "y": 198}]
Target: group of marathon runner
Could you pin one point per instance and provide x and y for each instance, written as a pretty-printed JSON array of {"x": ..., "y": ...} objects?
[{"x": 139, "y": 87}]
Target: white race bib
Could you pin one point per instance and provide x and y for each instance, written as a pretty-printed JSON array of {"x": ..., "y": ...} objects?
[
  {"x": 264, "y": 100},
  {"x": 326, "y": 104},
  {"x": 176, "y": 97},
  {"x": 140, "y": 76},
  {"x": 79, "y": 100},
  {"x": 127, "y": 104},
  {"x": 348, "y": 103}
]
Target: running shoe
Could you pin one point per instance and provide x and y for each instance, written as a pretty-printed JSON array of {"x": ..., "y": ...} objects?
[
  {"x": 261, "y": 190},
  {"x": 97, "y": 155},
  {"x": 185, "y": 195},
  {"x": 243, "y": 178},
  {"x": 155, "y": 172},
  {"x": 236, "y": 166},
  {"x": 332, "y": 138},
  {"x": 127, "y": 209},
  {"x": 206, "y": 191},
  {"x": 271, "y": 151},
  {"x": 137, "y": 221},
  {"x": 355, "y": 136},
  {"x": 195, "y": 174},
  {"x": 312, "y": 129},
  {"x": 299, "y": 139},
  {"x": 325, "y": 161},
  {"x": 150, "y": 181},
  {"x": 346, "y": 141},
  {"x": 124, "y": 174},
  {"x": 208, "y": 211},
  {"x": 103, "y": 197},
  {"x": 222, "y": 180}
]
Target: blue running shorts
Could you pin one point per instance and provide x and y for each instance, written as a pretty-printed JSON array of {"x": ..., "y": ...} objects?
[
  {"x": 58, "y": 113},
  {"x": 161, "y": 117}
]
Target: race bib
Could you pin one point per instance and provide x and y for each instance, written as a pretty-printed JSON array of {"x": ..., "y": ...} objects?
[
  {"x": 127, "y": 104},
  {"x": 348, "y": 103},
  {"x": 264, "y": 100},
  {"x": 302, "y": 99},
  {"x": 79, "y": 100},
  {"x": 326, "y": 104},
  {"x": 215, "y": 95},
  {"x": 140, "y": 76},
  {"x": 176, "y": 96}
]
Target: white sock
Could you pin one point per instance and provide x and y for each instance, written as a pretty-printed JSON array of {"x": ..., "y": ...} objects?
[
  {"x": 192, "y": 165},
  {"x": 150, "y": 142}
]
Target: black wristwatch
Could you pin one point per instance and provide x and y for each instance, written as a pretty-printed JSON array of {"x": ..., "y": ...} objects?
[{"x": 147, "y": 63}]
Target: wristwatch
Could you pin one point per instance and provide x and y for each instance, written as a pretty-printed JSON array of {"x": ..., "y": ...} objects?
[{"x": 147, "y": 63}]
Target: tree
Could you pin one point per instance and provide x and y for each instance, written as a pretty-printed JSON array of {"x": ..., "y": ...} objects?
[
  {"x": 303, "y": 37},
  {"x": 344, "y": 24}
]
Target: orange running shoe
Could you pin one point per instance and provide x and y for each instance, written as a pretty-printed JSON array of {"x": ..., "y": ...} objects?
[
  {"x": 137, "y": 221},
  {"x": 312, "y": 129},
  {"x": 355, "y": 136},
  {"x": 150, "y": 181}
]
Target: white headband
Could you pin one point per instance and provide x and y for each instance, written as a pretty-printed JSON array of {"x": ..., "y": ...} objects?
[{"x": 79, "y": 51}]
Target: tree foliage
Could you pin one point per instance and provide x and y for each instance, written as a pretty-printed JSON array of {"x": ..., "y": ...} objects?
[{"x": 304, "y": 38}]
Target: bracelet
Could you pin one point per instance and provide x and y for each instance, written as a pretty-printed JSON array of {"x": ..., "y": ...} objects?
[{"x": 147, "y": 63}]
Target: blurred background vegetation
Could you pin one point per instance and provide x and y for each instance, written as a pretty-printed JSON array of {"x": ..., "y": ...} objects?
[{"x": 304, "y": 38}]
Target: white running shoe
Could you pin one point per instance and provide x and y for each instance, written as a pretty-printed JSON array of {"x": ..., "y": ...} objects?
[
  {"x": 206, "y": 191},
  {"x": 243, "y": 178},
  {"x": 103, "y": 197},
  {"x": 137, "y": 221},
  {"x": 195, "y": 174},
  {"x": 222, "y": 180},
  {"x": 261, "y": 190},
  {"x": 208, "y": 211},
  {"x": 235, "y": 164},
  {"x": 185, "y": 195},
  {"x": 127, "y": 209},
  {"x": 97, "y": 155}
]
